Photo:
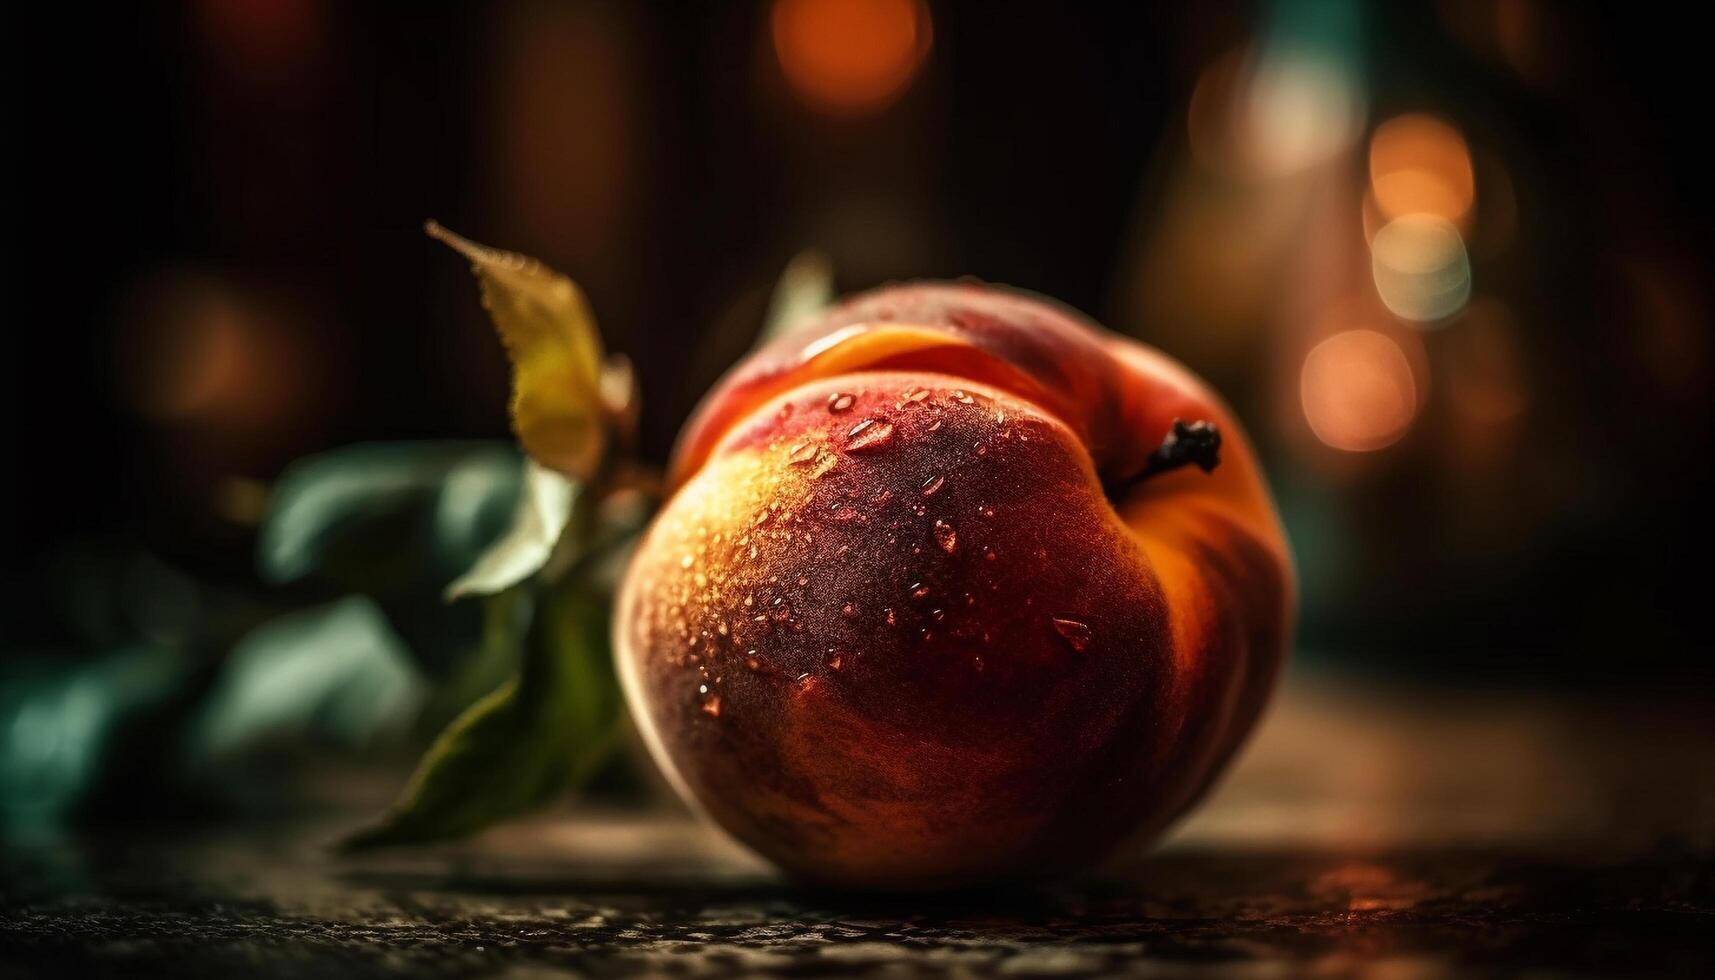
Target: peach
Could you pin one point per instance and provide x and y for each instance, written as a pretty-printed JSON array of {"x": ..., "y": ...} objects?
[{"x": 930, "y": 604}]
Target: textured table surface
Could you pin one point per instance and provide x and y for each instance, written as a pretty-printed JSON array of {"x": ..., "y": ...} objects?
[{"x": 1363, "y": 834}]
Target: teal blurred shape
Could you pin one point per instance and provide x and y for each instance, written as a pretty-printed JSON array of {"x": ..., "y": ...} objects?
[
  {"x": 378, "y": 515},
  {"x": 57, "y": 720},
  {"x": 337, "y": 672}
]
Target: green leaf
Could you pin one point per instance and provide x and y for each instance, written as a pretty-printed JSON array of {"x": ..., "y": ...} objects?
[
  {"x": 388, "y": 510},
  {"x": 543, "y": 510},
  {"x": 523, "y": 744},
  {"x": 486, "y": 662},
  {"x": 551, "y": 339},
  {"x": 805, "y": 290},
  {"x": 338, "y": 672},
  {"x": 570, "y": 653}
]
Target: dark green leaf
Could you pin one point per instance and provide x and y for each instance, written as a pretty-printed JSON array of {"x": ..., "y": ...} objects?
[
  {"x": 389, "y": 510},
  {"x": 490, "y": 661},
  {"x": 571, "y": 655},
  {"x": 523, "y": 744}
]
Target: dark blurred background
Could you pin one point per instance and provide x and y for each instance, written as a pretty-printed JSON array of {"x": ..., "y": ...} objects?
[{"x": 1448, "y": 261}]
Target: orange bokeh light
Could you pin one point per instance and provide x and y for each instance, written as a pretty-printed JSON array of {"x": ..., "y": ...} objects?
[
  {"x": 199, "y": 353},
  {"x": 850, "y": 56},
  {"x": 1358, "y": 391},
  {"x": 1421, "y": 165}
]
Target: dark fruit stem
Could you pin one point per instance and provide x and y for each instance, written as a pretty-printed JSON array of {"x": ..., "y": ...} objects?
[{"x": 1187, "y": 443}]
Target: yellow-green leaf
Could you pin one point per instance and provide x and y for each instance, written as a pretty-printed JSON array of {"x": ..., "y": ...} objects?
[{"x": 555, "y": 350}]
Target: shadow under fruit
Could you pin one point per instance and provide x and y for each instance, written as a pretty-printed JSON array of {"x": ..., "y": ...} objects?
[{"x": 935, "y": 602}]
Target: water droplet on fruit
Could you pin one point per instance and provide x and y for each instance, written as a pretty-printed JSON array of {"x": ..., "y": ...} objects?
[
  {"x": 849, "y": 610},
  {"x": 751, "y": 662},
  {"x": 870, "y": 435},
  {"x": 686, "y": 561},
  {"x": 845, "y": 514},
  {"x": 781, "y": 610},
  {"x": 962, "y": 397},
  {"x": 712, "y": 706},
  {"x": 913, "y": 395},
  {"x": 891, "y": 619},
  {"x": 721, "y": 628},
  {"x": 839, "y": 402},
  {"x": 933, "y": 426},
  {"x": 806, "y": 682},
  {"x": 836, "y": 660},
  {"x": 946, "y": 537},
  {"x": 1076, "y": 634},
  {"x": 804, "y": 452},
  {"x": 933, "y": 484},
  {"x": 985, "y": 510},
  {"x": 988, "y": 554},
  {"x": 938, "y": 615},
  {"x": 919, "y": 590}
]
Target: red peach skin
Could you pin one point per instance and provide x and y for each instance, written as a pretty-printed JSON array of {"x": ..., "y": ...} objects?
[{"x": 894, "y": 629}]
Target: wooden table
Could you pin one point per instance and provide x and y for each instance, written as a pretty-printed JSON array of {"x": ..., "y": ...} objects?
[{"x": 1365, "y": 833}]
